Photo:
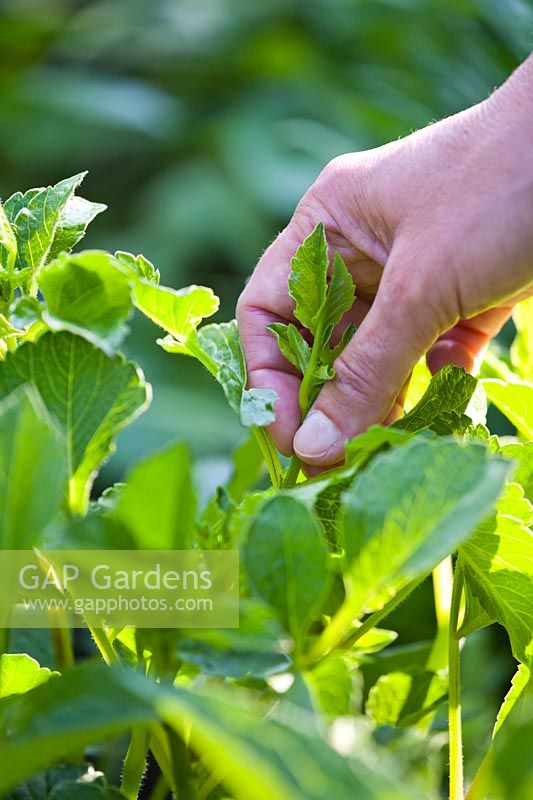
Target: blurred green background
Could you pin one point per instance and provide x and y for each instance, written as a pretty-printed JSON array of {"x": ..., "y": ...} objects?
[{"x": 202, "y": 122}]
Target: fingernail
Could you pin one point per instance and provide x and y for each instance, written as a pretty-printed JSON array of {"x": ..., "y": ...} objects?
[{"x": 316, "y": 437}]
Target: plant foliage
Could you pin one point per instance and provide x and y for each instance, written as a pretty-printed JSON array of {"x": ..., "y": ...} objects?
[{"x": 295, "y": 704}]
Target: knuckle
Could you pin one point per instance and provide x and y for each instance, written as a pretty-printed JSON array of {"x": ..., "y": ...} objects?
[
  {"x": 337, "y": 168},
  {"x": 353, "y": 382}
]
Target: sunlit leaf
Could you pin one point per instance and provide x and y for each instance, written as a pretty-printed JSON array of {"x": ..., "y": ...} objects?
[
  {"x": 19, "y": 673},
  {"x": 87, "y": 295},
  {"x": 33, "y": 469},
  {"x": 91, "y": 396}
]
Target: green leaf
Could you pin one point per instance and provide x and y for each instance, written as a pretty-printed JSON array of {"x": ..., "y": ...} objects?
[
  {"x": 287, "y": 562},
  {"x": 219, "y": 349},
  {"x": 247, "y": 460},
  {"x": 345, "y": 339},
  {"x": 77, "y": 790},
  {"x": 138, "y": 266},
  {"x": 91, "y": 396},
  {"x": 74, "y": 219},
  {"x": 399, "y": 658},
  {"x": 307, "y": 280},
  {"x": 323, "y": 494},
  {"x": 20, "y": 673},
  {"x": 257, "y": 758},
  {"x": 522, "y": 347},
  {"x": 321, "y": 374},
  {"x": 292, "y": 344},
  {"x": 179, "y": 312},
  {"x": 515, "y": 401},
  {"x": 26, "y": 311},
  {"x": 405, "y": 698},
  {"x": 341, "y": 293},
  {"x": 498, "y": 563},
  {"x": 87, "y": 295},
  {"x": 158, "y": 502},
  {"x": 236, "y": 662},
  {"x": 327, "y": 509},
  {"x": 40, "y": 786},
  {"x": 8, "y": 242},
  {"x": 268, "y": 759},
  {"x": 521, "y": 689},
  {"x": 513, "y": 770},
  {"x": 373, "y": 641},
  {"x": 330, "y": 684},
  {"x": 35, "y": 217},
  {"x": 523, "y": 455},
  {"x": 475, "y": 617},
  {"x": 93, "y": 532},
  {"x": 409, "y": 509},
  {"x": 64, "y": 715},
  {"x": 442, "y": 408},
  {"x": 362, "y": 448},
  {"x": 33, "y": 471}
]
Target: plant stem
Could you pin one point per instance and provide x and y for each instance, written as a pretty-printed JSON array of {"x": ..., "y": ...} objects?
[
  {"x": 108, "y": 652},
  {"x": 442, "y": 591},
  {"x": 160, "y": 747},
  {"x": 62, "y": 642},
  {"x": 481, "y": 785},
  {"x": 291, "y": 475},
  {"x": 335, "y": 633},
  {"x": 270, "y": 456},
  {"x": 160, "y": 790},
  {"x": 134, "y": 763},
  {"x": 454, "y": 692},
  {"x": 305, "y": 386},
  {"x": 183, "y": 775}
]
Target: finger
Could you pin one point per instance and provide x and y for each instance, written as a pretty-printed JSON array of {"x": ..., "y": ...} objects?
[
  {"x": 398, "y": 329},
  {"x": 396, "y": 411},
  {"x": 464, "y": 343}
]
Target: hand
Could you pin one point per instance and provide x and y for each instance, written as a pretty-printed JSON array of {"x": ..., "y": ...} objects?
[{"x": 437, "y": 231}]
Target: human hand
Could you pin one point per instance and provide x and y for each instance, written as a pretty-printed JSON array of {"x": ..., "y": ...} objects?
[{"x": 437, "y": 231}]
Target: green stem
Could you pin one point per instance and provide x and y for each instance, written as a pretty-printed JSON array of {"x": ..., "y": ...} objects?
[
  {"x": 305, "y": 386},
  {"x": 108, "y": 652},
  {"x": 160, "y": 747},
  {"x": 454, "y": 692},
  {"x": 183, "y": 775},
  {"x": 305, "y": 400},
  {"x": 335, "y": 634},
  {"x": 210, "y": 784},
  {"x": 481, "y": 785},
  {"x": 134, "y": 763},
  {"x": 160, "y": 790},
  {"x": 291, "y": 475},
  {"x": 270, "y": 456},
  {"x": 62, "y": 641},
  {"x": 442, "y": 591}
]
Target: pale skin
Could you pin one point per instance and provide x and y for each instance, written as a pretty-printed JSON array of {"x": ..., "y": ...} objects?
[{"x": 437, "y": 231}]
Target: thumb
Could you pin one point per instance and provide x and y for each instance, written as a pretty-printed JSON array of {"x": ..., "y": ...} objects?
[{"x": 398, "y": 329}]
